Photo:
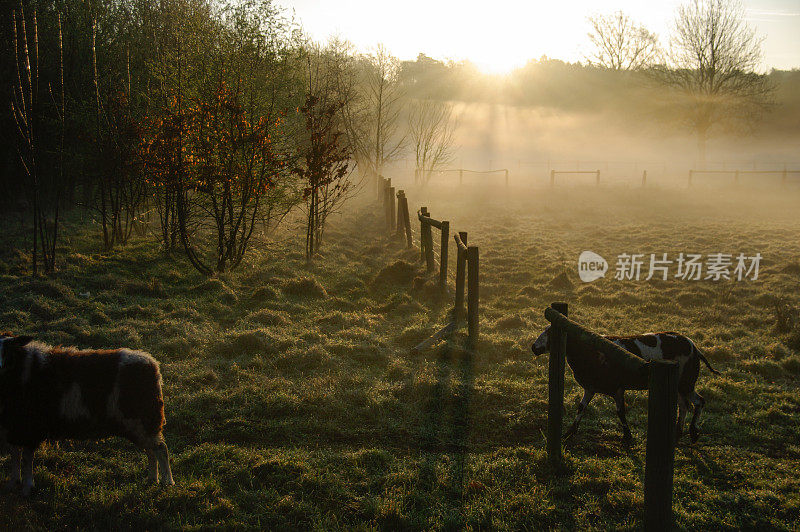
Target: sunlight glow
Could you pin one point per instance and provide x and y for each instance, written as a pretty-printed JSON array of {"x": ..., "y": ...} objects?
[{"x": 501, "y": 35}]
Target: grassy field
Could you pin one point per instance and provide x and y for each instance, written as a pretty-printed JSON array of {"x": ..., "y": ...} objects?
[{"x": 293, "y": 403}]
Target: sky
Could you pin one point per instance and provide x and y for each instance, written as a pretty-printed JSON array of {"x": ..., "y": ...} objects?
[{"x": 500, "y": 35}]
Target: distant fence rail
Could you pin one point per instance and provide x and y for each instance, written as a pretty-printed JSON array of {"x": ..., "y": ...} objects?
[
  {"x": 661, "y": 379},
  {"x": 736, "y": 173},
  {"x": 553, "y": 174},
  {"x": 462, "y": 171}
]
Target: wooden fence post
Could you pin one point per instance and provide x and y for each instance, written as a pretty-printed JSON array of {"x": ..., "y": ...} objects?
[
  {"x": 644, "y": 178},
  {"x": 422, "y": 240},
  {"x": 426, "y": 238},
  {"x": 399, "y": 222},
  {"x": 461, "y": 265},
  {"x": 391, "y": 209},
  {"x": 598, "y": 178},
  {"x": 555, "y": 386},
  {"x": 443, "y": 256},
  {"x": 406, "y": 221},
  {"x": 472, "y": 295},
  {"x": 662, "y": 406},
  {"x": 389, "y": 206},
  {"x": 506, "y": 178},
  {"x": 430, "y": 260}
]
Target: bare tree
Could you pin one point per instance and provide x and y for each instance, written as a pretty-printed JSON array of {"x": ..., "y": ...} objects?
[
  {"x": 621, "y": 44},
  {"x": 372, "y": 111},
  {"x": 430, "y": 129},
  {"x": 713, "y": 60}
]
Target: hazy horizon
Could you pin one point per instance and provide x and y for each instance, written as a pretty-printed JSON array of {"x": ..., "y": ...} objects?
[{"x": 506, "y": 37}]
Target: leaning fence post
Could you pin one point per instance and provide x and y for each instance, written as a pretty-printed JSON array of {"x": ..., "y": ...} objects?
[
  {"x": 555, "y": 387},
  {"x": 443, "y": 256},
  {"x": 461, "y": 264},
  {"x": 660, "y": 454},
  {"x": 472, "y": 294}
]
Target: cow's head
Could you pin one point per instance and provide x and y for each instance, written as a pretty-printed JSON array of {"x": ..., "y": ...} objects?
[
  {"x": 542, "y": 344},
  {"x": 11, "y": 349}
]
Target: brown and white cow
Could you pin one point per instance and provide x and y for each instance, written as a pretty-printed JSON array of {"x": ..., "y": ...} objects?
[
  {"x": 54, "y": 393},
  {"x": 597, "y": 374}
]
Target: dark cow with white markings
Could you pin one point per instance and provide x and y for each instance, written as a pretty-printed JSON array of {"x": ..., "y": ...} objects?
[
  {"x": 53, "y": 393},
  {"x": 597, "y": 374}
]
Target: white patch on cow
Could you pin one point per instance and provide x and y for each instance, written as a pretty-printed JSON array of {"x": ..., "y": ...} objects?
[
  {"x": 648, "y": 352},
  {"x": 72, "y": 405},
  {"x": 132, "y": 356}
]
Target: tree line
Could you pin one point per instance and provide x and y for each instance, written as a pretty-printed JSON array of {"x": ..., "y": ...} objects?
[{"x": 216, "y": 119}]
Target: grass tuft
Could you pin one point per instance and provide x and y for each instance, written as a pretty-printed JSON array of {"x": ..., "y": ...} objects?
[{"x": 305, "y": 287}]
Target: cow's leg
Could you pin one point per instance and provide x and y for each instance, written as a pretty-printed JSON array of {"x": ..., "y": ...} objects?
[
  {"x": 619, "y": 398},
  {"x": 699, "y": 403},
  {"x": 27, "y": 471},
  {"x": 163, "y": 464},
  {"x": 15, "y": 479},
  {"x": 683, "y": 407},
  {"x": 152, "y": 465},
  {"x": 587, "y": 396}
]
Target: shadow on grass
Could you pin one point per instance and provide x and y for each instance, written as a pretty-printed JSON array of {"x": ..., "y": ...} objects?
[{"x": 444, "y": 435}]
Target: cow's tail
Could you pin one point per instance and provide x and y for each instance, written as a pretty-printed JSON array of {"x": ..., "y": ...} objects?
[{"x": 705, "y": 360}]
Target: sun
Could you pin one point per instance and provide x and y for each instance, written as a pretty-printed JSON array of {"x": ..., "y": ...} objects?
[{"x": 498, "y": 65}]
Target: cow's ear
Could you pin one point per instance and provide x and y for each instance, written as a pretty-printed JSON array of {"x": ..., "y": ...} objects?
[{"x": 20, "y": 341}]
